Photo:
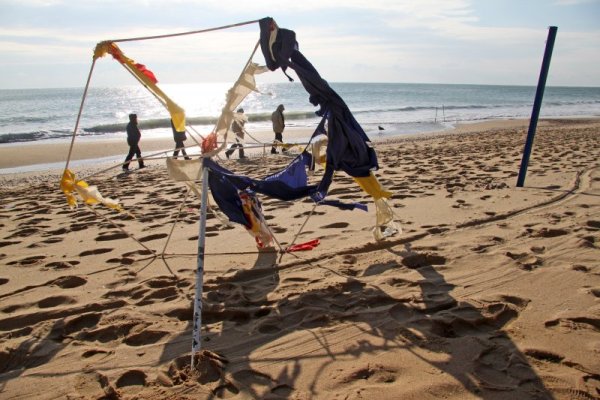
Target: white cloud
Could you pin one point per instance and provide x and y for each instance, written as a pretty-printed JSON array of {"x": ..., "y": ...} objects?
[
  {"x": 426, "y": 40},
  {"x": 573, "y": 2}
]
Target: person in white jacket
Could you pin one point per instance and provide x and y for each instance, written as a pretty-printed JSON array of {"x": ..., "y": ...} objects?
[{"x": 237, "y": 126}]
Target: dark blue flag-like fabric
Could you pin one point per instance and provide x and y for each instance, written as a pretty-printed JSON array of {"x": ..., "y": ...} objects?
[
  {"x": 288, "y": 184},
  {"x": 349, "y": 147}
]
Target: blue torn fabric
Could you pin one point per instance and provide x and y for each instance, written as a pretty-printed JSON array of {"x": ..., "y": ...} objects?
[
  {"x": 288, "y": 184},
  {"x": 349, "y": 147}
]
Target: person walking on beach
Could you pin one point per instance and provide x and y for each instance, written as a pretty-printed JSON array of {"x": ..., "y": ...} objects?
[
  {"x": 237, "y": 126},
  {"x": 278, "y": 127},
  {"x": 179, "y": 138},
  {"x": 133, "y": 138}
]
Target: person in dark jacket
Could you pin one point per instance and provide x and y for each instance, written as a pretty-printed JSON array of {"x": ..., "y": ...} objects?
[
  {"x": 133, "y": 138},
  {"x": 179, "y": 138},
  {"x": 237, "y": 126},
  {"x": 278, "y": 126}
]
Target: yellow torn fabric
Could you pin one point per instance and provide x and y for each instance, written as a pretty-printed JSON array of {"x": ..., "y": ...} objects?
[
  {"x": 177, "y": 113},
  {"x": 371, "y": 185},
  {"x": 89, "y": 194},
  {"x": 385, "y": 226}
]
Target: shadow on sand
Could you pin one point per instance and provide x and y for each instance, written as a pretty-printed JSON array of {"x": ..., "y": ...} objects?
[{"x": 256, "y": 309}]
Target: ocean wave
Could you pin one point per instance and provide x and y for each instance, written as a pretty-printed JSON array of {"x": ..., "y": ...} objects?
[
  {"x": 36, "y": 136},
  {"x": 25, "y": 137},
  {"x": 166, "y": 122}
]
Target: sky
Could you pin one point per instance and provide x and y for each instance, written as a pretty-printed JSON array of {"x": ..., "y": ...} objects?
[{"x": 49, "y": 43}]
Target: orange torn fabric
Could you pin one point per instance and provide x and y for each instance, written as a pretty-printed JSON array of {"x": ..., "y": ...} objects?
[
  {"x": 209, "y": 143},
  {"x": 146, "y": 77}
]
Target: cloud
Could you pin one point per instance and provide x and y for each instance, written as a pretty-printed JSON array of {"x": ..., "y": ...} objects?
[{"x": 573, "y": 2}]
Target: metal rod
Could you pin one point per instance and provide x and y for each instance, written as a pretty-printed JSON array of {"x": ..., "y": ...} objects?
[
  {"x": 87, "y": 85},
  {"x": 196, "y": 341},
  {"x": 537, "y": 105},
  {"x": 184, "y": 33}
]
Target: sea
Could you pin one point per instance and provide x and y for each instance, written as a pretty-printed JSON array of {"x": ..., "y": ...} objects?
[{"x": 383, "y": 109}]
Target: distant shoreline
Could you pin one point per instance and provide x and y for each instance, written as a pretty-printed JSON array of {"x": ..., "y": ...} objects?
[{"x": 29, "y": 157}]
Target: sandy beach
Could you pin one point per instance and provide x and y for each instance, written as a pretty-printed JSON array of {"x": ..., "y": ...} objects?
[{"x": 490, "y": 292}]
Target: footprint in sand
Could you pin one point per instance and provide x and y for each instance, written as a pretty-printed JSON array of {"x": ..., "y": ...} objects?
[
  {"x": 373, "y": 373},
  {"x": 103, "y": 237},
  {"x": 24, "y": 233},
  {"x": 52, "y": 240},
  {"x": 399, "y": 282},
  {"x": 27, "y": 261},
  {"x": 162, "y": 295},
  {"x": 526, "y": 261},
  {"x": 69, "y": 282},
  {"x": 544, "y": 355},
  {"x": 380, "y": 268},
  {"x": 549, "y": 232},
  {"x": 419, "y": 260},
  {"x": 587, "y": 241},
  {"x": 94, "y": 385},
  {"x": 580, "y": 268},
  {"x": 96, "y": 353},
  {"x": 145, "y": 337},
  {"x": 153, "y": 237},
  {"x": 137, "y": 253},
  {"x": 121, "y": 261},
  {"x": 79, "y": 323},
  {"x": 115, "y": 330},
  {"x": 307, "y": 213},
  {"x": 336, "y": 225},
  {"x": 181, "y": 313},
  {"x": 57, "y": 265},
  {"x": 437, "y": 229},
  {"x": 131, "y": 378},
  {"x": 574, "y": 324},
  {"x": 491, "y": 241},
  {"x": 209, "y": 367},
  {"x": 94, "y": 252},
  {"x": 55, "y": 301},
  {"x": 278, "y": 229},
  {"x": 592, "y": 225}
]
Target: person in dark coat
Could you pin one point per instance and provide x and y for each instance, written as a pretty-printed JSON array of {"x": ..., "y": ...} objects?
[
  {"x": 237, "y": 126},
  {"x": 179, "y": 138},
  {"x": 278, "y": 126},
  {"x": 133, "y": 138}
]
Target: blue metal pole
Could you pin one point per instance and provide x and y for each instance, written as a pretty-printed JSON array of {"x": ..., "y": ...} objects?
[{"x": 537, "y": 104}]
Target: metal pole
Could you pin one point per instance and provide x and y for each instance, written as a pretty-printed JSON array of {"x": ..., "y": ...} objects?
[
  {"x": 196, "y": 344},
  {"x": 87, "y": 85},
  {"x": 537, "y": 104}
]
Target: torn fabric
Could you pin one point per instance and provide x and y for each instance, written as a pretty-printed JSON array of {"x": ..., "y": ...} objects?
[
  {"x": 89, "y": 194},
  {"x": 146, "y": 77},
  {"x": 349, "y": 148}
]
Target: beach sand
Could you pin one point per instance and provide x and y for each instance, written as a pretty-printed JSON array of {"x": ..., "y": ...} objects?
[{"x": 491, "y": 291}]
